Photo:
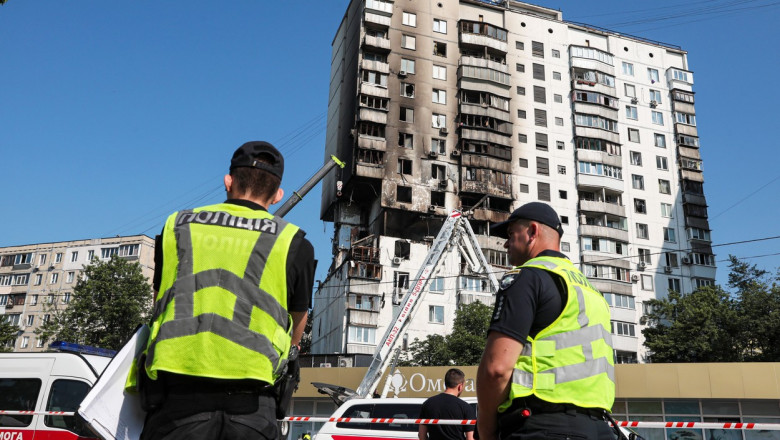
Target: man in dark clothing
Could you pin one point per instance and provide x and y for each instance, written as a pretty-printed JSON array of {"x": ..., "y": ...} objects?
[
  {"x": 547, "y": 370},
  {"x": 448, "y": 405},
  {"x": 232, "y": 292}
]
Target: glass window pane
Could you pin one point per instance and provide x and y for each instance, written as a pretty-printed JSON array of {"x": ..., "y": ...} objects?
[
  {"x": 19, "y": 395},
  {"x": 719, "y": 407},
  {"x": 681, "y": 407},
  {"x": 761, "y": 408},
  {"x": 645, "y": 407}
]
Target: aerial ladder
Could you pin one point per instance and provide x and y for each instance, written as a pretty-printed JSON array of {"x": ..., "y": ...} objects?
[{"x": 456, "y": 234}]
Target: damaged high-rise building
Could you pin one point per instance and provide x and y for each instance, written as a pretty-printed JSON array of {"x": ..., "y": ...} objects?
[{"x": 482, "y": 106}]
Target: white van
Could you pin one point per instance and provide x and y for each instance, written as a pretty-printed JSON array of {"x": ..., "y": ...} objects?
[
  {"x": 46, "y": 382},
  {"x": 399, "y": 408}
]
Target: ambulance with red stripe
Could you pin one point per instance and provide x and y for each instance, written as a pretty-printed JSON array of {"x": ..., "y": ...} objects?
[{"x": 40, "y": 385}]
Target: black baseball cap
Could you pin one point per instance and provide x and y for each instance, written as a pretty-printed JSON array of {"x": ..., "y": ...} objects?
[
  {"x": 536, "y": 211},
  {"x": 248, "y": 154}
]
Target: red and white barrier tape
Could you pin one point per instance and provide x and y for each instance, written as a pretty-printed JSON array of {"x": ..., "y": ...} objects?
[
  {"x": 37, "y": 413},
  {"x": 626, "y": 424}
]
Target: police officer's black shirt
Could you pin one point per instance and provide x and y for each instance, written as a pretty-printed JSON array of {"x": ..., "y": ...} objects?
[
  {"x": 528, "y": 302},
  {"x": 300, "y": 265}
]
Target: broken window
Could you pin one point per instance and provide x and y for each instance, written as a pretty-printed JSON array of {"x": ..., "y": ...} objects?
[
  {"x": 407, "y": 90},
  {"x": 439, "y": 146},
  {"x": 439, "y": 120},
  {"x": 486, "y": 122},
  {"x": 360, "y": 269},
  {"x": 440, "y": 49},
  {"x": 367, "y": 128},
  {"x": 403, "y": 194},
  {"x": 402, "y": 249},
  {"x": 487, "y": 149},
  {"x": 373, "y": 56},
  {"x": 439, "y": 172},
  {"x": 373, "y": 102},
  {"x": 484, "y": 99},
  {"x": 400, "y": 286},
  {"x": 404, "y": 166},
  {"x": 437, "y": 198},
  {"x": 405, "y": 140},
  {"x": 371, "y": 157}
]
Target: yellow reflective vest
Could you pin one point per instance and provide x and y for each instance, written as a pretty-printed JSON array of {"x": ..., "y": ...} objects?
[
  {"x": 571, "y": 360},
  {"x": 221, "y": 310}
]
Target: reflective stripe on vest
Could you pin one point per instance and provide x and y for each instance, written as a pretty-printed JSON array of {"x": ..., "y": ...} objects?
[
  {"x": 273, "y": 232},
  {"x": 555, "y": 383}
]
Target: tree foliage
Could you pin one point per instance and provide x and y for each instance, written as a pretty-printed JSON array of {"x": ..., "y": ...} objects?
[
  {"x": 110, "y": 300},
  {"x": 8, "y": 334},
  {"x": 715, "y": 325},
  {"x": 463, "y": 346}
]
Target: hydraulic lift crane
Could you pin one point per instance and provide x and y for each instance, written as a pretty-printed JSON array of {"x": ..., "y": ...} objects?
[{"x": 456, "y": 234}]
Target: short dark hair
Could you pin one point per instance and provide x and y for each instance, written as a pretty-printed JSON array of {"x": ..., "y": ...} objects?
[
  {"x": 254, "y": 181},
  {"x": 453, "y": 378}
]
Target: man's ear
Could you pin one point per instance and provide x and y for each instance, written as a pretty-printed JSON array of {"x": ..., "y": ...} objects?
[
  {"x": 228, "y": 182},
  {"x": 278, "y": 197}
]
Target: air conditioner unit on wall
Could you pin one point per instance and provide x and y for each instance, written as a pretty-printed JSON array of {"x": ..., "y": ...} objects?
[
  {"x": 402, "y": 73},
  {"x": 397, "y": 260},
  {"x": 325, "y": 365},
  {"x": 431, "y": 207},
  {"x": 641, "y": 266},
  {"x": 433, "y": 154},
  {"x": 345, "y": 362},
  {"x": 668, "y": 269},
  {"x": 686, "y": 260},
  {"x": 443, "y": 130},
  {"x": 653, "y": 104},
  {"x": 635, "y": 278},
  {"x": 634, "y": 100},
  {"x": 456, "y": 153}
]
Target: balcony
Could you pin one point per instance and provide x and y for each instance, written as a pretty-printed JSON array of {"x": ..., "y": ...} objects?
[
  {"x": 483, "y": 40},
  {"x": 363, "y": 318},
  {"x": 590, "y": 180},
  {"x": 367, "y": 88},
  {"x": 597, "y": 133},
  {"x": 482, "y": 62},
  {"x": 369, "y": 114},
  {"x": 379, "y": 43},
  {"x": 485, "y": 136},
  {"x": 467, "y": 297},
  {"x": 591, "y": 64},
  {"x": 376, "y": 66},
  {"x": 486, "y": 188},
  {"x": 611, "y": 286},
  {"x": 372, "y": 171},
  {"x": 490, "y": 215},
  {"x": 365, "y": 253},
  {"x": 689, "y": 130},
  {"x": 484, "y": 110},
  {"x": 379, "y": 6},
  {"x": 608, "y": 208},
  {"x": 603, "y": 231},
  {"x": 372, "y": 143},
  {"x": 380, "y": 20},
  {"x": 599, "y": 157}
]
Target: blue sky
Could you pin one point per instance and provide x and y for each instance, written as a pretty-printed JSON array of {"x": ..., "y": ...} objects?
[{"x": 113, "y": 114}]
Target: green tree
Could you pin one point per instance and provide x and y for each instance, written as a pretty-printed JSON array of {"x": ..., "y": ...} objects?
[
  {"x": 758, "y": 310},
  {"x": 8, "y": 334},
  {"x": 698, "y": 327},
  {"x": 464, "y": 346},
  {"x": 715, "y": 325},
  {"x": 110, "y": 300}
]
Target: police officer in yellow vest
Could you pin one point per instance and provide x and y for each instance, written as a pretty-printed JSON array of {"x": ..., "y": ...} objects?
[
  {"x": 233, "y": 287},
  {"x": 547, "y": 370}
]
